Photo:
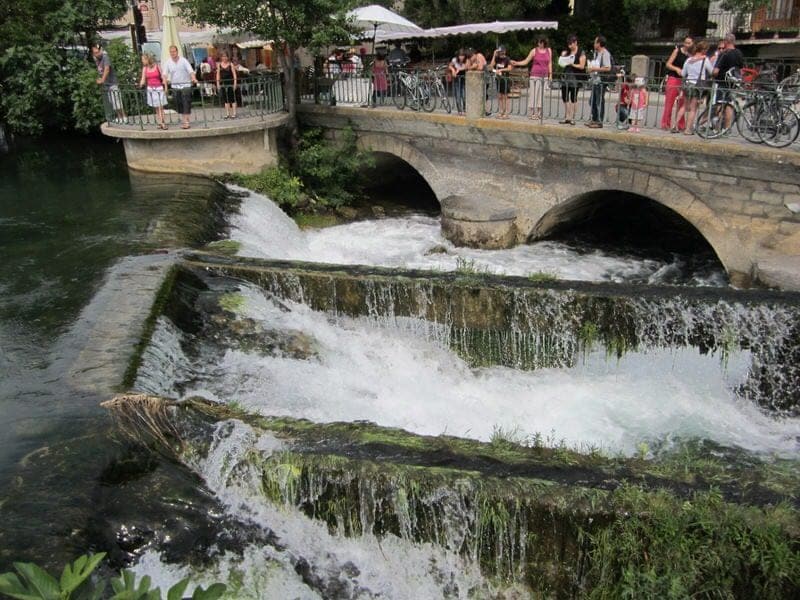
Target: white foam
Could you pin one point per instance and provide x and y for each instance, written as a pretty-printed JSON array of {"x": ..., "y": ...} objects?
[
  {"x": 361, "y": 567},
  {"x": 264, "y": 231},
  {"x": 395, "y": 377}
]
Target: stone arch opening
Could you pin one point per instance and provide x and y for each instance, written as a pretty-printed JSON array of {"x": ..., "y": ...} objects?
[
  {"x": 397, "y": 186},
  {"x": 626, "y": 222}
]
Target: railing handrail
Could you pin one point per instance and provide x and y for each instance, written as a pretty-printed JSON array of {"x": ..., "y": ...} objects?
[{"x": 257, "y": 94}]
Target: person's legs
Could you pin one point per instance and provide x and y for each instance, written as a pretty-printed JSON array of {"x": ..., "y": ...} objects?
[
  {"x": 671, "y": 91},
  {"x": 538, "y": 96},
  {"x": 602, "y": 102},
  {"x": 185, "y": 103},
  {"x": 594, "y": 103}
]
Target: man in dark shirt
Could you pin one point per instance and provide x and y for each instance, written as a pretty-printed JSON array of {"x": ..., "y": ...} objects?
[{"x": 731, "y": 58}]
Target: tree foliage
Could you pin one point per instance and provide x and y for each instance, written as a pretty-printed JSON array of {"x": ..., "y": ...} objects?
[
  {"x": 45, "y": 84},
  {"x": 293, "y": 23}
]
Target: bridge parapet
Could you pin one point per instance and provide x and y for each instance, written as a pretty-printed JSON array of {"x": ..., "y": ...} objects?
[{"x": 506, "y": 182}]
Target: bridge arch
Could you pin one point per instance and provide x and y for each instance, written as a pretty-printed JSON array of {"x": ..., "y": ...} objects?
[
  {"x": 581, "y": 201},
  {"x": 403, "y": 150}
]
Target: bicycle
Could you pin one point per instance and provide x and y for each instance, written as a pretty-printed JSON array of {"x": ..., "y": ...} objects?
[
  {"x": 438, "y": 91},
  {"x": 756, "y": 113},
  {"x": 414, "y": 93}
]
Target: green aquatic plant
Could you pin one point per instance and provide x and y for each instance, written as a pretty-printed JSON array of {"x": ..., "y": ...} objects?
[
  {"x": 226, "y": 247},
  {"x": 542, "y": 277},
  {"x": 232, "y": 302},
  {"x": 31, "y": 582}
]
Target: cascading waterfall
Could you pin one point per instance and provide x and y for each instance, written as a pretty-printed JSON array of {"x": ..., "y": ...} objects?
[
  {"x": 305, "y": 559},
  {"x": 264, "y": 231},
  {"x": 578, "y": 367},
  {"x": 400, "y": 371}
]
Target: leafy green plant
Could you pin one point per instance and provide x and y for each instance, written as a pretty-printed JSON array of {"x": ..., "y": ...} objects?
[
  {"x": 31, "y": 582},
  {"x": 330, "y": 170},
  {"x": 468, "y": 266},
  {"x": 280, "y": 185},
  {"x": 542, "y": 277}
]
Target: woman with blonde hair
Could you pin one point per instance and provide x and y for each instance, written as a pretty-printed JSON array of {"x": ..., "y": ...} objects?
[{"x": 154, "y": 80}]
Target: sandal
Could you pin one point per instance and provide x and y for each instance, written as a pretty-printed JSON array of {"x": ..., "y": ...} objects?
[{"x": 185, "y": 126}]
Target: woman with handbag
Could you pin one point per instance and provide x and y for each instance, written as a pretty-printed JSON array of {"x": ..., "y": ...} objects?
[{"x": 696, "y": 72}]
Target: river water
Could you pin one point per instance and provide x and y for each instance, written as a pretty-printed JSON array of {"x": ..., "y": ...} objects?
[{"x": 68, "y": 213}]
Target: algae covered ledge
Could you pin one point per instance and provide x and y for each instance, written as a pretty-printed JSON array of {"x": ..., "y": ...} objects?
[{"x": 561, "y": 523}]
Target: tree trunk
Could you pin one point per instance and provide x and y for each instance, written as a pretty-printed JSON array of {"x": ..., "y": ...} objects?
[{"x": 290, "y": 90}]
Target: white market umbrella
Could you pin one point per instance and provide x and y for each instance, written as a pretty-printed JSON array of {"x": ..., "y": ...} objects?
[
  {"x": 369, "y": 18},
  {"x": 169, "y": 32}
]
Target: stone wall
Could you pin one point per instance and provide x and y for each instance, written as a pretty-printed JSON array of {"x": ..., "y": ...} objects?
[
  {"x": 503, "y": 182},
  {"x": 246, "y": 147}
]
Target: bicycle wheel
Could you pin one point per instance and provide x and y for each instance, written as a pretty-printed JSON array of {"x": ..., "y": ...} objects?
[
  {"x": 398, "y": 91},
  {"x": 444, "y": 101},
  {"x": 750, "y": 120},
  {"x": 790, "y": 86},
  {"x": 785, "y": 130},
  {"x": 710, "y": 123},
  {"x": 427, "y": 99}
]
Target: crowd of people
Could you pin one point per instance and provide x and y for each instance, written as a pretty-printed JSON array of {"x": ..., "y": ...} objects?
[
  {"x": 691, "y": 68},
  {"x": 176, "y": 75}
]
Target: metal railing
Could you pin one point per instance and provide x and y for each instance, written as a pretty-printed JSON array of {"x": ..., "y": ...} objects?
[
  {"x": 413, "y": 89},
  {"x": 257, "y": 96},
  {"x": 358, "y": 88}
]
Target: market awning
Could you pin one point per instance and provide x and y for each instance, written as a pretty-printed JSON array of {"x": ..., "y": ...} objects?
[{"x": 470, "y": 28}]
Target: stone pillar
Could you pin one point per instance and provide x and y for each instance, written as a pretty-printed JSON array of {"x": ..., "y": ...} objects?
[
  {"x": 640, "y": 65},
  {"x": 475, "y": 95}
]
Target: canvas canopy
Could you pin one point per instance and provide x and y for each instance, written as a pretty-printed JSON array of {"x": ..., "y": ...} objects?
[{"x": 497, "y": 27}]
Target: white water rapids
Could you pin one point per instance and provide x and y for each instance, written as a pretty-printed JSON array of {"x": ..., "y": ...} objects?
[
  {"x": 401, "y": 372},
  {"x": 398, "y": 375},
  {"x": 332, "y": 565},
  {"x": 263, "y": 230}
]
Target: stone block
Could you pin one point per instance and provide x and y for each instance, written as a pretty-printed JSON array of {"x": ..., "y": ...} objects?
[
  {"x": 489, "y": 235},
  {"x": 785, "y": 188},
  {"x": 715, "y": 178},
  {"x": 755, "y": 209},
  {"x": 766, "y": 197},
  {"x": 640, "y": 65}
]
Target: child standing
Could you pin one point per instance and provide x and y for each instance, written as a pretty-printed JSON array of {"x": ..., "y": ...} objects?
[
  {"x": 638, "y": 103},
  {"x": 624, "y": 105}
]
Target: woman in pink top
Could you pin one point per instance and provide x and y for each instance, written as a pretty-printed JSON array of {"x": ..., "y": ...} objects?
[
  {"x": 541, "y": 72},
  {"x": 154, "y": 80}
]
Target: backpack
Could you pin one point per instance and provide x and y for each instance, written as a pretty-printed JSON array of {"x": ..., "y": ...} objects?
[{"x": 610, "y": 76}]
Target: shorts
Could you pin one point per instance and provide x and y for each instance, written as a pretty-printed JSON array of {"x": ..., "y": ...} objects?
[
  {"x": 694, "y": 91},
  {"x": 503, "y": 84},
  {"x": 156, "y": 97},
  {"x": 227, "y": 93},
  {"x": 183, "y": 100},
  {"x": 114, "y": 97},
  {"x": 569, "y": 91}
]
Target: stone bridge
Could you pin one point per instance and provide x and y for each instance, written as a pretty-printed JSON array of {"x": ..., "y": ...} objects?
[{"x": 501, "y": 183}]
